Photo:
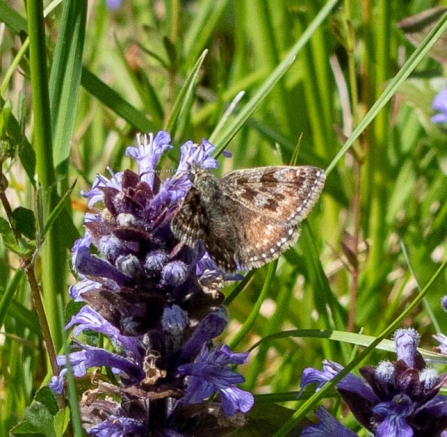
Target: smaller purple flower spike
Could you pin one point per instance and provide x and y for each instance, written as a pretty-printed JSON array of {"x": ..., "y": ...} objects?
[
  {"x": 396, "y": 399},
  {"x": 327, "y": 426},
  {"x": 440, "y": 104}
]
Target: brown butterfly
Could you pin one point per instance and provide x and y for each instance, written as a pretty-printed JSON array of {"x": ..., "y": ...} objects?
[{"x": 248, "y": 217}]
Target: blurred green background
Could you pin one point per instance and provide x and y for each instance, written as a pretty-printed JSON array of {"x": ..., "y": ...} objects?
[{"x": 93, "y": 76}]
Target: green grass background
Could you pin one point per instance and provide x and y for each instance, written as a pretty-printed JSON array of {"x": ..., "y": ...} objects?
[{"x": 77, "y": 86}]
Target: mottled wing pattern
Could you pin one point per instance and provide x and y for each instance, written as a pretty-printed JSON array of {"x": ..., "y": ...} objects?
[
  {"x": 263, "y": 239},
  {"x": 268, "y": 207},
  {"x": 190, "y": 223},
  {"x": 281, "y": 192}
]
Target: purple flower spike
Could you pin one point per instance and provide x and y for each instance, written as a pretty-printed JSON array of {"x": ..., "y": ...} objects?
[{"x": 157, "y": 302}]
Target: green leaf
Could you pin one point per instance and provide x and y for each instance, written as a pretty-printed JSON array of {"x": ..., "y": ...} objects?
[
  {"x": 6, "y": 232},
  {"x": 20, "y": 247},
  {"x": 172, "y": 54},
  {"x": 4, "y": 116},
  {"x": 12, "y": 19},
  {"x": 24, "y": 222},
  {"x": 26, "y": 429},
  {"x": 46, "y": 397},
  {"x": 27, "y": 154},
  {"x": 41, "y": 419},
  {"x": 61, "y": 421}
]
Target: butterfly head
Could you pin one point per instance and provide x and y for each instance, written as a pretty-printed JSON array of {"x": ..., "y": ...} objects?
[{"x": 203, "y": 181}]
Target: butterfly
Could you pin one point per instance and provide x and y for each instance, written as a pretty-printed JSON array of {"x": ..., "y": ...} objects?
[{"x": 248, "y": 217}]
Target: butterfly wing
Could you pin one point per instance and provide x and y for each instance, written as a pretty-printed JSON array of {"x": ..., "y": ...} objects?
[
  {"x": 190, "y": 223},
  {"x": 269, "y": 204},
  {"x": 197, "y": 221},
  {"x": 282, "y": 192}
]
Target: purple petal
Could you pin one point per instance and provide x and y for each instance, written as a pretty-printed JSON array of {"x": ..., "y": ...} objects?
[
  {"x": 117, "y": 427},
  {"x": 442, "y": 342},
  {"x": 174, "y": 273},
  {"x": 407, "y": 341},
  {"x": 83, "y": 286},
  {"x": 392, "y": 417},
  {"x": 444, "y": 303},
  {"x": 320, "y": 377},
  {"x": 439, "y": 118},
  {"x": 327, "y": 426},
  {"x": 234, "y": 399},
  {"x": 440, "y": 104},
  {"x": 440, "y": 101},
  {"x": 90, "y": 265},
  {"x": 148, "y": 153},
  {"x": 95, "y": 194},
  {"x": 88, "y": 319},
  {"x": 210, "y": 374},
  {"x": 211, "y": 326}
]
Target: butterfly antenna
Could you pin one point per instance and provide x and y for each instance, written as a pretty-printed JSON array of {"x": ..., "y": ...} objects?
[{"x": 296, "y": 151}]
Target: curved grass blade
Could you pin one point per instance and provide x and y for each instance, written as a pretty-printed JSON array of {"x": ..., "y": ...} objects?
[
  {"x": 65, "y": 76},
  {"x": 185, "y": 96}
]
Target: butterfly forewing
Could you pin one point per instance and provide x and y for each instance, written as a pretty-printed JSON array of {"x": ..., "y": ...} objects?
[
  {"x": 281, "y": 192},
  {"x": 270, "y": 204}
]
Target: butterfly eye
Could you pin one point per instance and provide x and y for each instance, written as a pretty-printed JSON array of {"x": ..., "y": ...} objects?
[
  {"x": 191, "y": 176},
  {"x": 192, "y": 171}
]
